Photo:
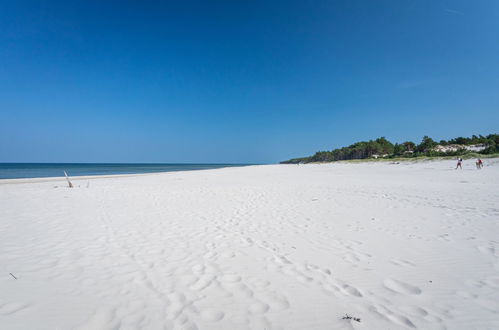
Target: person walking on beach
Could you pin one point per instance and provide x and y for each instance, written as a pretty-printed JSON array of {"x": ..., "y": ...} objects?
[
  {"x": 479, "y": 163},
  {"x": 459, "y": 163}
]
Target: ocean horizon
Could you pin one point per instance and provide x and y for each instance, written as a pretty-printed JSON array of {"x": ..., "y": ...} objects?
[{"x": 44, "y": 170}]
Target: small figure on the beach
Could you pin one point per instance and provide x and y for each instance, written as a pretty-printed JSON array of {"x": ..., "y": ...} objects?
[
  {"x": 479, "y": 163},
  {"x": 459, "y": 163}
]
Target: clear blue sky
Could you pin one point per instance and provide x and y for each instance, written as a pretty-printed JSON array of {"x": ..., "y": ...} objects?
[{"x": 234, "y": 81}]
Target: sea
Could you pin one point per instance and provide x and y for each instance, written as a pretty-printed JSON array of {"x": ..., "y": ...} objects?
[{"x": 43, "y": 170}]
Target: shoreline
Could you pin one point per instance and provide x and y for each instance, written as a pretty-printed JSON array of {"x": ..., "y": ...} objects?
[
  {"x": 384, "y": 161},
  {"x": 103, "y": 176}
]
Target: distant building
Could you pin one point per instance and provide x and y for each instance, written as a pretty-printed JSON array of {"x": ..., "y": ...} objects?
[
  {"x": 377, "y": 156},
  {"x": 457, "y": 147}
]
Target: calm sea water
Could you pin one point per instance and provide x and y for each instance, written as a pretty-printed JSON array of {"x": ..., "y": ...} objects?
[{"x": 41, "y": 170}]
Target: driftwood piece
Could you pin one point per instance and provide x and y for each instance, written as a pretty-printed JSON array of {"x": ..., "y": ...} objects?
[{"x": 67, "y": 178}]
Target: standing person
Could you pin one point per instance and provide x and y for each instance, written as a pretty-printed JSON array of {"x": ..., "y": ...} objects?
[
  {"x": 479, "y": 163},
  {"x": 459, "y": 162}
]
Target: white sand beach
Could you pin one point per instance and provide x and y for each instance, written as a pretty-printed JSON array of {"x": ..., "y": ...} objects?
[{"x": 398, "y": 246}]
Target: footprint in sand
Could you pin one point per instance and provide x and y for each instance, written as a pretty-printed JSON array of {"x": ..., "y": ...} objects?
[
  {"x": 487, "y": 250},
  {"x": 350, "y": 290},
  {"x": 230, "y": 278},
  {"x": 350, "y": 257},
  {"x": 258, "y": 308},
  {"x": 212, "y": 315},
  {"x": 276, "y": 302},
  {"x": 401, "y": 287},
  {"x": 281, "y": 260},
  {"x": 415, "y": 310},
  {"x": 202, "y": 283},
  {"x": 198, "y": 269},
  {"x": 392, "y": 316},
  {"x": 228, "y": 254}
]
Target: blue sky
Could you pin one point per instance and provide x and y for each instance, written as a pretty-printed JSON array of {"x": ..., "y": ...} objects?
[{"x": 235, "y": 81}]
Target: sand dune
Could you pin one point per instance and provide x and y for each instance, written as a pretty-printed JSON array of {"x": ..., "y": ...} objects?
[{"x": 399, "y": 246}]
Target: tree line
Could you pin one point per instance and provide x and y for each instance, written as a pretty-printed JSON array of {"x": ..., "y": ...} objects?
[{"x": 381, "y": 147}]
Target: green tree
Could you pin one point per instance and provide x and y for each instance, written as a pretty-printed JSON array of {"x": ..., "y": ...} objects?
[
  {"x": 426, "y": 144},
  {"x": 386, "y": 147},
  {"x": 409, "y": 146},
  {"x": 398, "y": 149}
]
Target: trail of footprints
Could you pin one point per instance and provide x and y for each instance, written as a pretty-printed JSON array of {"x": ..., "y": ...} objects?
[
  {"x": 189, "y": 280},
  {"x": 325, "y": 279},
  {"x": 183, "y": 290}
]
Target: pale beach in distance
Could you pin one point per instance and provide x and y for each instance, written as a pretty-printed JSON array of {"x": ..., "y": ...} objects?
[{"x": 318, "y": 246}]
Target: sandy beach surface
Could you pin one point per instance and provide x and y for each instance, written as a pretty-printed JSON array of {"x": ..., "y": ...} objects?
[{"x": 395, "y": 246}]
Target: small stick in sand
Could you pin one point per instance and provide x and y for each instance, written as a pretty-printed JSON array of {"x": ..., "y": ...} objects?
[
  {"x": 13, "y": 276},
  {"x": 67, "y": 178}
]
